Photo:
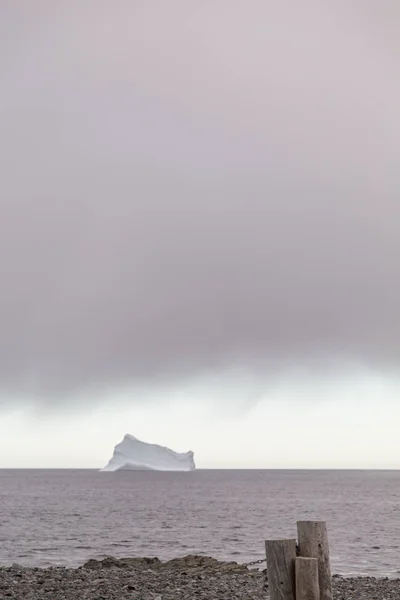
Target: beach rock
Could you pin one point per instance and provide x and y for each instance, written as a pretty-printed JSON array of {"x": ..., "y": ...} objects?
[
  {"x": 123, "y": 563},
  {"x": 189, "y": 578}
]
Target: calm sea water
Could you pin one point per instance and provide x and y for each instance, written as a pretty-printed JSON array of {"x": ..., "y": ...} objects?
[{"x": 66, "y": 517}]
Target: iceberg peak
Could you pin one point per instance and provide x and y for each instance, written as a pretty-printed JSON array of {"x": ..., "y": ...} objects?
[{"x": 133, "y": 454}]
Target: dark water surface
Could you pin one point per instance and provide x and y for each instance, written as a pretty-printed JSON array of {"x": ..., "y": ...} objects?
[{"x": 68, "y": 516}]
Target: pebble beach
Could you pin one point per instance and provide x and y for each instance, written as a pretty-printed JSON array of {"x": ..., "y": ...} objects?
[{"x": 188, "y": 578}]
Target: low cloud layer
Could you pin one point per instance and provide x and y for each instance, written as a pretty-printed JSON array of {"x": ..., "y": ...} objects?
[{"x": 195, "y": 185}]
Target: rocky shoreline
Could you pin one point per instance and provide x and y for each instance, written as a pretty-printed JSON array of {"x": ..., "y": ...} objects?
[{"x": 188, "y": 578}]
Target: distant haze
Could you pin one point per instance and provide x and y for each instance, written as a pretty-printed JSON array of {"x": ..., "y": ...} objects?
[{"x": 200, "y": 229}]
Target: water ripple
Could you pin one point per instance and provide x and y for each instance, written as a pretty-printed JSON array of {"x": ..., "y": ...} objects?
[{"x": 67, "y": 517}]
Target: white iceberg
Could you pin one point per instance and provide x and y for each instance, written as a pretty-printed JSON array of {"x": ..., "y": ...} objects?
[{"x": 131, "y": 454}]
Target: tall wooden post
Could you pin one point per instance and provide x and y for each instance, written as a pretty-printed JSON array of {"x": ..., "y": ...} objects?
[
  {"x": 313, "y": 543},
  {"x": 307, "y": 585},
  {"x": 281, "y": 556}
]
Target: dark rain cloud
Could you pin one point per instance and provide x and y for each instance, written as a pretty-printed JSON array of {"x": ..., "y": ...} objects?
[{"x": 188, "y": 185}]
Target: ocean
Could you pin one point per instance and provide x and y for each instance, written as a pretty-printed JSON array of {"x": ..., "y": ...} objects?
[{"x": 65, "y": 517}]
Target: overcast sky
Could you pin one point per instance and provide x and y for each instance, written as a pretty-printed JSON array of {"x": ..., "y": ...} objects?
[{"x": 200, "y": 231}]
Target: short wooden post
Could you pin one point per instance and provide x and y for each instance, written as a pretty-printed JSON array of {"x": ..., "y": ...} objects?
[
  {"x": 307, "y": 586},
  {"x": 313, "y": 543},
  {"x": 281, "y": 556}
]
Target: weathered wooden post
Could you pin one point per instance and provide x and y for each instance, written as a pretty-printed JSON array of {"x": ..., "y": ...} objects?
[
  {"x": 307, "y": 585},
  {"x": 281, "y": 556},
  {"x": 313, "y": 543}
]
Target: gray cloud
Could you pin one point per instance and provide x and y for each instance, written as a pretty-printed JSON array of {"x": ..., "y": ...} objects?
[{"x": 188, "y": 185}]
